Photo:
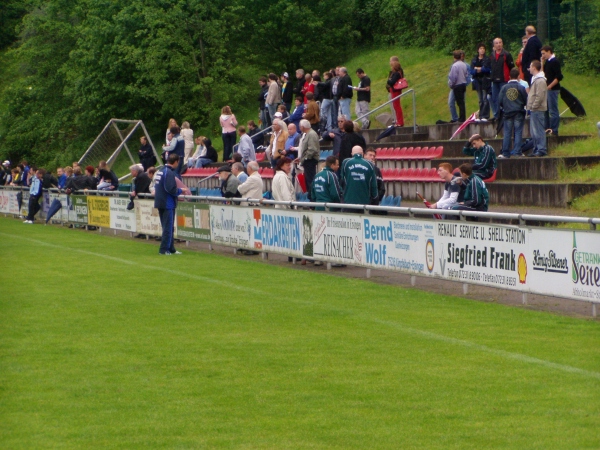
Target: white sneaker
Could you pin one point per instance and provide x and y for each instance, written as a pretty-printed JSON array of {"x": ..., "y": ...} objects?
[
  {"x": 177, "y": 252},
  {"x": 502, "y": 157},
  {"x": 483, "y": 120},
  {"x": 28, "y": 221}
]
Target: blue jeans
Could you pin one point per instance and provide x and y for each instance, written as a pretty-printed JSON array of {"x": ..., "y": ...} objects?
[
  {"x": 335, "y": 109},
  {"x": 327, "y": 113},
  {"x": 513, "y": 125},
  {"x": 496, "y": 86},
  {"x": 345, "y": 108},
  {"x": 167, "y": 222},
  {"x": 537, "y": 127},
  {"x": 272, "y": 110},
  {"x": 202, "y": 162},
  {"x": 552, "y": 115},
  {"x": 484, "y": 104},
  {"x": 452, "y": 106}
]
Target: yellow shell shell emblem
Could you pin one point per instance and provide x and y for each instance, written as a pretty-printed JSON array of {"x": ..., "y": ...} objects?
[{"x": 522, "y": 268}]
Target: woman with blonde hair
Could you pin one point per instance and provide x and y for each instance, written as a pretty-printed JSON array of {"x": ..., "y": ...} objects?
[
  {"x": 396, "y": 75},
  {"x": 188, "y": 136},
  {"x": 172, "y": 123},
  {"x": 228, "y": 127}
]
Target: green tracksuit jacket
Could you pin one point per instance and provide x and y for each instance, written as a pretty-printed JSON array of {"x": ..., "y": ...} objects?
[
  {"x": 326, "y": 188},
  {"x": 359, "y": 181}
]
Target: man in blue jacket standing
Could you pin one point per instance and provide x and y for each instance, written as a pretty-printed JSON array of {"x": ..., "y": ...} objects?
[
  {"x": 35, "y": 193},
  {"x": 165, "y": 200}
]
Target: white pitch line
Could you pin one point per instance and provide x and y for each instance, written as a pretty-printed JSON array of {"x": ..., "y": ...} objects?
[{"x": 427, "y": 334}]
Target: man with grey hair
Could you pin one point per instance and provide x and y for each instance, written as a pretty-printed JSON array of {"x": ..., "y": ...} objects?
[
  {"x": 253, "y": 186},
  {"x": 238, "y": 170},
  {"x": 358, "y": 179},
  {"x": 345, "y": 92},
  {"x": 246, "y": 147},
  {"x": 299, "y": 84},
  {"x": 309, "y": 152}
]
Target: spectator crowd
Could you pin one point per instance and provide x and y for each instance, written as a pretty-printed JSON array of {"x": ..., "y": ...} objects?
[{"x": 296, "y": 116}]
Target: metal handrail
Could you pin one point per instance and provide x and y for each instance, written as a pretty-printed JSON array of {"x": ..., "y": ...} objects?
[
  {"x": 410, "y": 211},
  {"x": 414, "y": 103}
]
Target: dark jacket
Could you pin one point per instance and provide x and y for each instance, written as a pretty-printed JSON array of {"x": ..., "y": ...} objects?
[
  {"x": 531, "y": 52},
  {"x": 344, "y": 89},
  {"x": 337, "y": 139},
  {"x": 349, "y": 140},
  {"x": 298, "y": 88},
  {"x": 296, "y": 116},
  {"x": 111, "y": 177},
  {"x": 141, "y": 183},
  {"x": 147, "y": 157},
  {"x": 211, "y": 153},
  {"x": 498, "y": 73},
  {"x": 287, "y": 92},
  {"x": 481, "y": 79},
  {"x": 552, "y": 72},
  {"x": 394, "y": 78},
  {"x": 485, "y": 160},
  {"x": 380, "y": 185},
  {"x": 81, "y": 182},
  {"x": 49, "y": 181},
  {"x": 263, "y": 96},
  {"x": 512, "y": 99},
  {"x": 324, "y": 88},
  {"x": 165, "y": 189},
  {"x": 476, "y": 194}
]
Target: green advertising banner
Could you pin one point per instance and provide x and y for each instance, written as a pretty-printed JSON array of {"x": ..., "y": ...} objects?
[
  {"x": 193, "y": 222},
  {"x": 78, "y": 209}
]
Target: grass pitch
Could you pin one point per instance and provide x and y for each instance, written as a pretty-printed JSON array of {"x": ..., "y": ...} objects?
[{"x": 105, "y": 344}]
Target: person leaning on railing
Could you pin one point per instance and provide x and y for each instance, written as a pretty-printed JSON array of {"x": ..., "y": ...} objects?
[{"x": 476, "y": 194}]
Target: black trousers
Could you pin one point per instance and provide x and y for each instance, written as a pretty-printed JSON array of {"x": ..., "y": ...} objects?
[
  {"x": 228, "y": 143},
  {"x": 310, "y": 170},
  {"x": 34, "y": 207},
  {"x": 459, "y": 97}
]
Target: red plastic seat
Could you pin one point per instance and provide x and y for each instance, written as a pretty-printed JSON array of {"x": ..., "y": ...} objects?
[
  {"x": 267, "y": 173},
  {"x": 492, "y": 178},
  {"x": 416, "y": 153},
  {"x": 382, "y": 153},
  {"x": 387, "y": 174},
  {"x": 260, "y": 157},
  {"x": 438, "y": 153}
]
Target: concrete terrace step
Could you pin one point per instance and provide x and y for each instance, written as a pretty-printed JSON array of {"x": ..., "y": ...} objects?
[
  {"x": 531, "y": 168},
  {"x": 445, "y": 131},
  {"x": 453, "y": 149}
]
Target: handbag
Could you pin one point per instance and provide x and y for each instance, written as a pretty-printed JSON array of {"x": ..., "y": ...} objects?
[{"x": 400, "y": 84}]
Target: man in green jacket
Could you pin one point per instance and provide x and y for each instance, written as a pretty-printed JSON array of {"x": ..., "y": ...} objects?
[
  {"x": 485, "y": 157},
  {"x": 326, "y": 187},
  {"x": 358, "y": 180},
  {"x": 476, "y": 195}
]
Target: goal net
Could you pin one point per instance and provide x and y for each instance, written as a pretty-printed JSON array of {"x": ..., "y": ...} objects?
[{"x": 118, "y": 145}]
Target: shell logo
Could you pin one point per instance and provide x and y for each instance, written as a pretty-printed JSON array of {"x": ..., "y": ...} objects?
[{"x": 522, "y": 268}]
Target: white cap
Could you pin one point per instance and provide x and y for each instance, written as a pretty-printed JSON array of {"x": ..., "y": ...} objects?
[
  {"x": 6, "y": 163},
  {"x": 278, "y": 115}
]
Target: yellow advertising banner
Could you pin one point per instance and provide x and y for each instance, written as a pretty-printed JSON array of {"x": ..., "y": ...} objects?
[{"x": 98, "y": 211}]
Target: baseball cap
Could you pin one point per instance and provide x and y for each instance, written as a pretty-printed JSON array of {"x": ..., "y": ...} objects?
[
  {"x": 285, "y": 74},
  {"x": 6, "y": 163},
  {"x": 278, "y": 115},
  {"x": 225, "y": 168}
]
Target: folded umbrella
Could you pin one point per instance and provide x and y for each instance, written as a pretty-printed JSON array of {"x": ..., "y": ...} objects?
[
  {"x": 435, "y": 216},
  {"x": 464, "y": 125},
  {"x": 572, "y": 102},
  {"x": 389, "y": 131},
  {"x": 55, "y": 206}
]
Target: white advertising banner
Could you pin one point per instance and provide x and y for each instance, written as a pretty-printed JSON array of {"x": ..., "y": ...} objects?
[
  {"x": 147, "y": 220},
  {"x": 231, "y": 226},
  {"x": 8, "y": 202},
  {"x": 565, "y": 263},
  {"x": 493, "y": 255},
  {"x": 398, "y": 244},
  {"x": 336, "y": 238},
  {"x": 120, "y": 217},
  {"x": 281, "y": 231}
]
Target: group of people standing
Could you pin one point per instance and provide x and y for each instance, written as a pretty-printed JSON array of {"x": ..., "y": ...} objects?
[{"x": 511, "y": 89}]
